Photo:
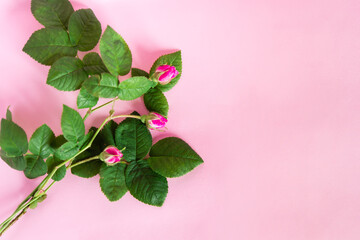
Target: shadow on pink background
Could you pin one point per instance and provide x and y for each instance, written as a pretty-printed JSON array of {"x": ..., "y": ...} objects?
[{"x": 269, "y": 97}]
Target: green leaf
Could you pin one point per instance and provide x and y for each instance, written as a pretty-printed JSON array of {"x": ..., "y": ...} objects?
[
  {"x": 134, "y": 87},
  {"x": 13, "y": 139},
  {"x": 35, "y": 166},
  {"x": 173, "y": 59},
  {"x": 107, "y": 134},
  {"x": 67, "y": 74},
  {"x": 155, "y": 101},
  {"x": 112, "y": 181},
  {"x": 104, "y": 139},
  {"x": 172, "y": 157},
  {"x": 115, "y": 53},
  {"x": 108, "y": 87},
  {"x": 52, "y": 13},
  {"x": 93, "y": 64},
  {"x": 88, "y": 169},
  {"x": 40, "y": 141},
  {"x": 51, "y": 163},
  {"x": 85, "y": 99},
  {"x": 48, "y": 45},
  {"x": 17, "y": 163},
  {"x": 8, "y": 114},
  {"x": 86, "y": 139},
  {"x": 84, "y": 29},
  {"x": 92, "y": 85},
  {"x": 98, "y": 145},
  {"x": 58, "y": 142},
  {"x": 72, "y": 125},
  {"x": 144, "y": 184},
  {"x": 136, "y": 72},
  {"x": 135, "y": 136},
  {"x": 67, "y": 151}
]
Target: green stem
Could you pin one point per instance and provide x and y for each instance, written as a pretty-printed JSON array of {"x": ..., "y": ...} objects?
[
  {"x": 50, "y": 185},
  {"x": 125, "y": 116},
  {"x": 103, "y": 105},
  {"x": 50, "y": 175},
  {"x": 81, "y": 162},
  {"x": 36, "y": 194},
  {"x": 16, "y": 215},
  {"x": 28, "y": 197},
  {"x": 12, "y": 222},
  {"x": 87, "y": 114}
]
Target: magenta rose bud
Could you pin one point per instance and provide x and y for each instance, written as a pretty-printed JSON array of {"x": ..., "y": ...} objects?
[
  {"x": 111, "y": 155},
  {"x": 155, "y": 121},
  {"x": 165, "y": 73}
]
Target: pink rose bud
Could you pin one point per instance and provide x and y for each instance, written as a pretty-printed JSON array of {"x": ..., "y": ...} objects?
[
  {"x": 155, "y": 121},
  {"x": 165, "y": 73},
  {"x": 111, "y": 155}
]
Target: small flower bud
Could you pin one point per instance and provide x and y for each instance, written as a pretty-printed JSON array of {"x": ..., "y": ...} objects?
[
  {"x": 155, "y": 121},
  {"x": 165, "y": 73},
  {"x": 111, "y": 155}
]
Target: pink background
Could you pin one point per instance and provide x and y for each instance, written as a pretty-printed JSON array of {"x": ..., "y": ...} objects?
[{"x": 269, "y": 98}]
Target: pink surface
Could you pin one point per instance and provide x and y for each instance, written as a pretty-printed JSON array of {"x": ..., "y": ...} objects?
[{"x": 269, "y": 98}]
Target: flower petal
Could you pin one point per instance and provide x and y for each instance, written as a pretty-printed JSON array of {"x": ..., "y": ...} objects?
[
  {"x": 163, "y": 68},
  {"x": 113, "y": 151},
  {"x": 165, "y": 77},
  {"x": 113, "y": 159}
]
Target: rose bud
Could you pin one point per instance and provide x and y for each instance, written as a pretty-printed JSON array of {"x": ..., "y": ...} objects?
[
  {"x": 165, "y": 73},
  {"x": 111, "y": 155},
  {"x": 155, "y": 121}
]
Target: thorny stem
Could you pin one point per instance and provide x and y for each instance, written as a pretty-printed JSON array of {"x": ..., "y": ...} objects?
[{"x": 37, "y": 192}]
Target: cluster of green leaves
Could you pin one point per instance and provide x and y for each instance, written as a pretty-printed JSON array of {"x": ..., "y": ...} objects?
[
  {"x": 66, "y": 32},
  {"x": 144, "y": 177},
  {"x": 147, "y": 165},
  {"x": 29, "y": 156}
]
